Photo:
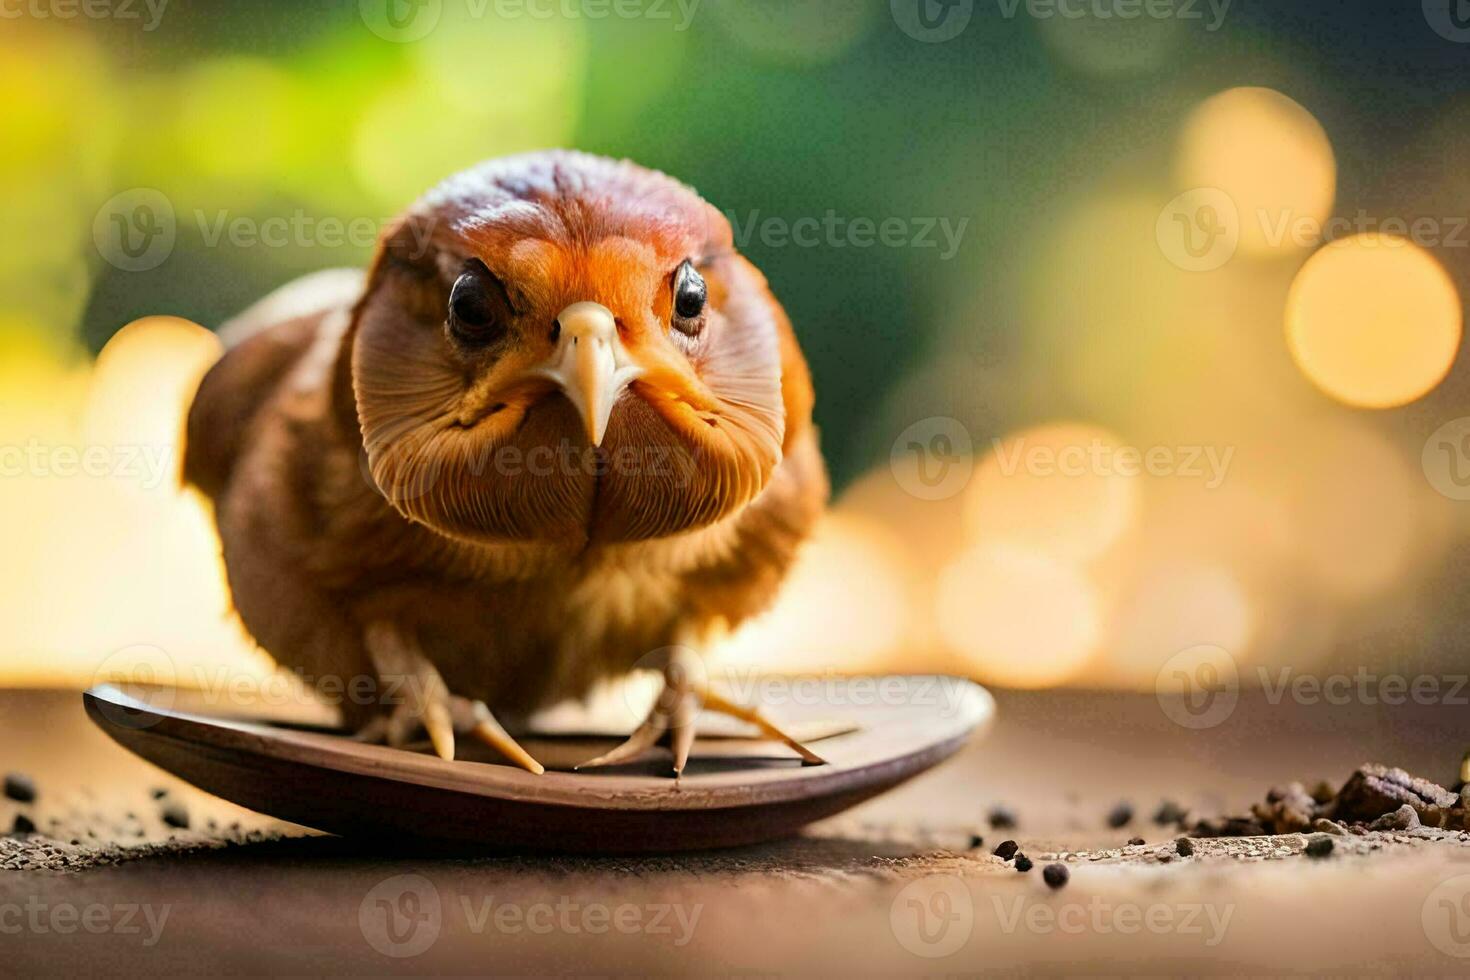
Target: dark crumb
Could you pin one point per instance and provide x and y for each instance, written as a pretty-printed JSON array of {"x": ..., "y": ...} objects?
[
  {"x": 1319, "y": 846},
  {"x": 175, "y": 816},
  {"x": 1136, "y": 841},
  {"x": 1120, "y": 815},
  {"x": 1374, "y": 790},
  {"x": 75, "y": 842},
  {"x": 1002, "y": 817},
  {"x": 158, "y": 792},
  {"x": 976, "y": 842},
  {"x": 20, "y": 787},
  {"x": 1023, "y": 863},
  {"x": 1404, "y": 818},
  {"x": 1184, "y": 846},
  {"x": 1055, "y": 875},
  {"x": 1168, "y": 813},
  {"x": 1006, "y": 850},
  {"x": 22, "y": 825},
  {"x": 1165, "y": 858}
]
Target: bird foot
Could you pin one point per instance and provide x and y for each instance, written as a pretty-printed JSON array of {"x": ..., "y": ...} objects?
[
  {"x": 427, "y": 704},
  {"x": 673, "y": 715}
]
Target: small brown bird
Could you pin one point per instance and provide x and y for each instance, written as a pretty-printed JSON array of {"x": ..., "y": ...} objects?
[{"x": 562, "y": 428}]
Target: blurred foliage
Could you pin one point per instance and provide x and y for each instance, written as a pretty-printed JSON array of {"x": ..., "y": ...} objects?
[{"x": 785, "y": 108}]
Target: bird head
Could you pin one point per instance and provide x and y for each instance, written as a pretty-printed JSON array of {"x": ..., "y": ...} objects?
[{"x": 563, "y": 348}]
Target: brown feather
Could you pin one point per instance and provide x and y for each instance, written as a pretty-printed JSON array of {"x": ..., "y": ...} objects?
[{"x": 360, "y": 462}]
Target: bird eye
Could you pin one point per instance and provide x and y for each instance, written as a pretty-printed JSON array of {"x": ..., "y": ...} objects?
[
  {"x": 689, "y": 298},
  {"x": 474, "y": 310}
]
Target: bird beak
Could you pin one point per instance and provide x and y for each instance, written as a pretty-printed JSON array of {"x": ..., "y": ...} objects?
[{"x": 590, "y": 365}]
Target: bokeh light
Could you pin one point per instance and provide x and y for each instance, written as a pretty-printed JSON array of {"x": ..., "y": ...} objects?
[
  {"x": 1020, "y": 619},
  {"x": 1270, "y": 156},
  {"x": 1111, "y": 46},
  {"x": 847, "y": 605},
  {"x": 1175, "y": 607},
  {"x": 1355, "y": 506},
  {"x": 1374, "y": 321},
  {"x": 1064, "y": 490},
  {"x": 480, "y": 87},
  {"x": 238, "y": 119},
  {"x": 797, "y": 32}
]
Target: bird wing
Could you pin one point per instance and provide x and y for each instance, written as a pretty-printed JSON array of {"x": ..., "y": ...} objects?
[{"x": 262, "y": 344}]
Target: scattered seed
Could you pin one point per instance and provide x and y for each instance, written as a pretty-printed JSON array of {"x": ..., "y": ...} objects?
[
  {"x": 1319, "y": 846},
  {"x": 22, "y": 825},
  {"x": 1120, "y": 815},
  {"x": 1055, "y": 875},
  {"x": 1002, "y": 817},
  {"x": 1136, "y": 841},
  {"x": 1168, "y": 813},
  {"x": 976, "y": 842},
  {"x": 158, "y": 792},
  {"x": 175, "y": 815},
  {"x": 1006, "y": 850},
  {"x": 20, "y": 787},
  {"x": 1023, "y": 863},
  {"x": 1404, "y": 818},
  {"x": 1184, "y": 846}
]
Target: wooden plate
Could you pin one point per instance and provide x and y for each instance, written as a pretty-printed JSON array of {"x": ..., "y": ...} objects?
[{"x": 735, "y": 790}]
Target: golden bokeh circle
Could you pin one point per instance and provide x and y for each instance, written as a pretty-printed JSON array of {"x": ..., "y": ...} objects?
[
  {"x": 1374, "y": 321},
  {"x": 1019, "y": 618},
  {"x": 1063, "y": 489},
  {"x": 1270, "y": 156}
]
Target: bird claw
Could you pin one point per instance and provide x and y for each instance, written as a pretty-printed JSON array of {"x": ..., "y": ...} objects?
[
  {"x": 674, "y": 712},
  {"x": 427, "y": 704}
]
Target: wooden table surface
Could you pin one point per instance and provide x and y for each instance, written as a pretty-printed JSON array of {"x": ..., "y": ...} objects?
[{"x": 892, "y": 887}]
